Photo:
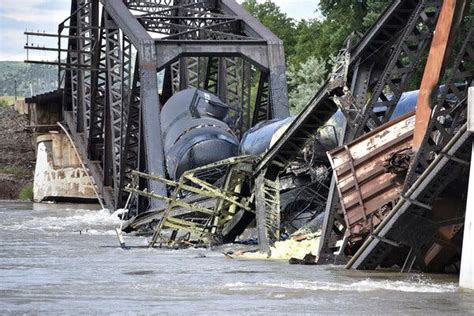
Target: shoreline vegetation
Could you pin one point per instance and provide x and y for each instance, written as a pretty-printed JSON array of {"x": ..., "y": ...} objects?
[{"x": 9, "y": 100}]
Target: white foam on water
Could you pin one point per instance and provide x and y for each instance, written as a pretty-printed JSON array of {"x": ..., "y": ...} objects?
[
  {"x": 95, "y": 222},
  {"x": 366, "y": 285}
]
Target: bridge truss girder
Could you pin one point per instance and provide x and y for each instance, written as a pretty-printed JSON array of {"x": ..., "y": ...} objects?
[{"x": 116, "y": 51}]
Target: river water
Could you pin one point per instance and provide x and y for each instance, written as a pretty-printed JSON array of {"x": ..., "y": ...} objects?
[{"x": 63, "y": 259}]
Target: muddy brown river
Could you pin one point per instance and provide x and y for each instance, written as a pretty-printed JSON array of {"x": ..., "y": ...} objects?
[{"x": 65, "y": 259}]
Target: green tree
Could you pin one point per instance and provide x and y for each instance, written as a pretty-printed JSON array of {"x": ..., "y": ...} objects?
[
  {"x": 342, "y": 17},
  {"x": 321, "y": 37},
  {"x": 309, "y": 44},
  {"x": 374, "y": 9},
  {"x": 270, "y": 15},
  {"x": 303, "y": 81}
]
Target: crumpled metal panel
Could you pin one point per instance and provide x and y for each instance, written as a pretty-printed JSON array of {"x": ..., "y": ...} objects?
[{"x": 365, "y": 186}]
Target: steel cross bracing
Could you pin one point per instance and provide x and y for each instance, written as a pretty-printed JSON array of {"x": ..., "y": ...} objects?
[
  {"x": 444, "y": 154},
  {"x": 384, "y": 59},
  {"x": 114, "y": 101},
  {"x": 196, "y": 206},
  {"x": 214, "y": 29},
  {"x": 130, "y": 157},
  {"x": 382, "y": 82},
  {"x": 446, "y": 112},
  {"x": 400, "y": 64},
  {"x": 374, "y": 64},
  {"x": 97, "y": 108},
  {"x": 267, "y": 206},
  {"x": 114, "y": 116},
  {"x": 76, "y": 76},
  {"x": 262, "y": 111},
  {"x": 408, "y": 225},
  {"x": 211, "y": 76},
  {"x": 80, "y": 61},
  {"x": 184, "y": 20},
  {"x": 85, "y": 16}
]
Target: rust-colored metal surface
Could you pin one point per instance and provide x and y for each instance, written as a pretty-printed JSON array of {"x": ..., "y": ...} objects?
[
  {"x": 365, "y": 184},
  {"x": 433, "y": 69}
]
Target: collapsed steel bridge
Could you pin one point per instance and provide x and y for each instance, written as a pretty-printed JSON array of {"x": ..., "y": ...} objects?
[
  {"x": 111, "y": 103},
  {"x": 110, "y": 92}
]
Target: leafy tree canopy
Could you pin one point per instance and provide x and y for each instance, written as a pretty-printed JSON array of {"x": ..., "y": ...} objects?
[
  {"x": 270, "y": 15},
  {"x": 309, "y": 44},
  {"x": 304, "y": 81},
  {"x": 319, "y": 37}
]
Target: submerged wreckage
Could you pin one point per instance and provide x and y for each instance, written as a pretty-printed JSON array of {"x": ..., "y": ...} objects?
[{"x": 375, "y": 172}]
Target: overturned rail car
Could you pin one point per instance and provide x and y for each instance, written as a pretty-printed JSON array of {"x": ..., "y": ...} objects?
[
  {"x": 195, "y": 132},
  {"x": 370, "y": 173}
]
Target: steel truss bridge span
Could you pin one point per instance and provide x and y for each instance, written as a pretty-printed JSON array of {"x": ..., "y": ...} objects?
[{"x": 124, "y": 59}]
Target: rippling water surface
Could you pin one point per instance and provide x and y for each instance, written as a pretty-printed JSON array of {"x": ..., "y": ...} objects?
[{"x": 61, "y": 259}]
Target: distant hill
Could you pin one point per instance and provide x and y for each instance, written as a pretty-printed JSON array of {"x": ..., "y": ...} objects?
[{"x": 31, "y": 78}]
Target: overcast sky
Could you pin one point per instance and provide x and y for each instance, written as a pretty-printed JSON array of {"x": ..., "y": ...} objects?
[{"x": 16, "y": 16}]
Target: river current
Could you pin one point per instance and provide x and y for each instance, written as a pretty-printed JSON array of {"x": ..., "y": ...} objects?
[{"x": 65, "y": 259}]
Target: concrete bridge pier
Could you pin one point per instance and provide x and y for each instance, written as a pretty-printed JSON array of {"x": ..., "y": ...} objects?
[
  {"x": 59, "y": 175},
  {"x": 466, "y": 278}
]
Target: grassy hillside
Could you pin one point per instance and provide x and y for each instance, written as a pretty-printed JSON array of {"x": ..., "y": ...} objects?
[
  {"x": 31, "y": 79},
  {"x": 8, "y": 100}
]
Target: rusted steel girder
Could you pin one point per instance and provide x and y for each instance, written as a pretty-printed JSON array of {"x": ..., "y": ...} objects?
[{"x": 434, "y": 66}]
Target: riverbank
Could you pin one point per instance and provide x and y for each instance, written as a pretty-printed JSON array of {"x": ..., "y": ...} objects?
[{"x": 17, "y": 159}]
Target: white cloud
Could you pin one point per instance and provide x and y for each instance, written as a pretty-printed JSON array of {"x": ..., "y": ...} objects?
[
  {"x": 16, "y": 16},
  {"x": 14, "y": 49},
  {"x": 14, "y": 41},
  {"x": 38, "y": 16},
  {"x": 33, "y": 11},
  {"x": 299, "y": 9}
]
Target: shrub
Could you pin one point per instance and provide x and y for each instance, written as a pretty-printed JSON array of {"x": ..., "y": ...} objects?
[
  {"x": 3, "y": 102},
  {"x": 26, "y": 193}
]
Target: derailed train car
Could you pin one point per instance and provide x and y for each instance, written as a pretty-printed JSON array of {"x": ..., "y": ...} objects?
[
  {"x": 304, "y": 186},
  {"x": 195, "y": 132}
]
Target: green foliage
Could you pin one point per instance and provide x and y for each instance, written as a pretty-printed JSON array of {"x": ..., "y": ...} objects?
[
  {"x": 8, "y": 100},
  {"x": 305, "y": 80},
  {"x": 26, "y": 193},
  {"x": 309, "y": 44},
  {"x": 342, "y": 17},
  {"x": 30, "y": 78},
  {"x": 374, "y": 9},
  {"x": 270, "y": 15},
  {"x": 4, "y": 102},
  {"x": 307, "y": 41}
]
